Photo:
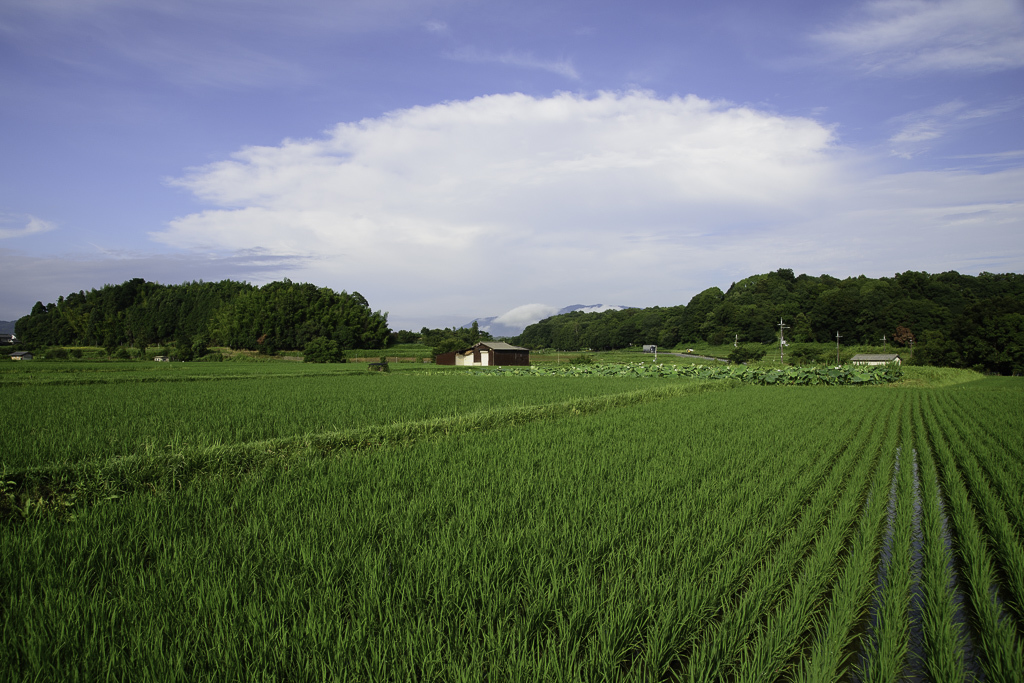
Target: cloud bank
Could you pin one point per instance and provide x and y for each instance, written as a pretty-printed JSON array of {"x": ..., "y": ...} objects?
[
  {"x": 524, "y": 315},
  {"x": 617, "y": 197}
]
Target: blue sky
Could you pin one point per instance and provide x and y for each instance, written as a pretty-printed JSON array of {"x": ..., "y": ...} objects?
[{"x": 452, "y": 159}]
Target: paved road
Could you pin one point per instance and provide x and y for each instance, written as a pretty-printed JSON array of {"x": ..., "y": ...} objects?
[{"x": 693, "y": 355}]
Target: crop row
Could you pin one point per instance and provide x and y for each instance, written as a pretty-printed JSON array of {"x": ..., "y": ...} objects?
[
  {"x": 950, "y": 571},
  {"x": 802, "y": 533},
  {"x": 658, "y": 538}
]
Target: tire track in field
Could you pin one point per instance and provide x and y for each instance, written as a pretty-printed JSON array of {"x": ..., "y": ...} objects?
[{"x": 61, "y": 487}]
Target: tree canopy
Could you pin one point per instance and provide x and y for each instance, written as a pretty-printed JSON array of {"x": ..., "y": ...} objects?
[
  {"x": 952, "y": 319},
  {"x": 282, "y": 315}
]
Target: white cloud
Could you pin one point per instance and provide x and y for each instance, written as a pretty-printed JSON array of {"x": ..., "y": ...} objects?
[
  {"x": 474, "y": 206},
  {"x": 234, "y": 43},
  {"x": 1010, "y": 155},
  {"x": 188, "y": 62},
  {"x": 919, "y": 128},
  {"x": 911, "y": 36},
  {"x": 514, "y": 321},
  {"x": 34, "y": 226},
  {"x": 319, "y": 15},
  {"x": 542, "y": 188},
  {"x": 600, "y": 308},
  {"x": 562, "y": 67},
  {"x": 524, "y": 315},
  {"x": 436, "y": 26}
]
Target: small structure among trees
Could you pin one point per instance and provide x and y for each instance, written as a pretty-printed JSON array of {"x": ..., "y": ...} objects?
[{"x": 486, "y": 353}]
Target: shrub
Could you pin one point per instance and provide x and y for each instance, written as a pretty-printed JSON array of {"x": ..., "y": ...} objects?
[
  {"x": 267, "y": 347},
  {"x": 743, "y": 354},
  {"x": 57, "y": 354},
  {"x": 582, "y": 359},
  {"x": 199, "y": 348},
  {"x": 447, "y": 345},
  {"x": 122, "y": 354},
  {"x": 803, "y": 354},
  {"x": 322, "y": 350}
]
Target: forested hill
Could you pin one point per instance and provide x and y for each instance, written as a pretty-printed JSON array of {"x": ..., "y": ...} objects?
[
  {"x": 957, "y": 320},
  {"x": 280, "y": 315}
]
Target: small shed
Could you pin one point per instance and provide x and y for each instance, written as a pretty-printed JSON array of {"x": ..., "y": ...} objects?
[
  {"x": 876, "y": 359},
  {"x": 162, "y": 359},
  {"x": 21, "y": 355},
  {"x": 650, "y": 348},
  {"x": 487, "y": 353}
]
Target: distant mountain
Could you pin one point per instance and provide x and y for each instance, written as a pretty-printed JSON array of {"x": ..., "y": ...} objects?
[
  {"x": 512, "y": 323},
  {"x": 7, "y": 326}
]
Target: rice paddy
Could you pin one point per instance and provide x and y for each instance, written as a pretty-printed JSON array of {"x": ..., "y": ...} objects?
[{"x": 447, "y": 527}]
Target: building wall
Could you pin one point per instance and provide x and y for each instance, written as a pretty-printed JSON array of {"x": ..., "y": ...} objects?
[
  {"x": 484, "y": 357},
  {"x": 511, "y": 357}
]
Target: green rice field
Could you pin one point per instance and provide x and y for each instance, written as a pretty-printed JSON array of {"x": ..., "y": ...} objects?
[{"x": 290, "y": 523}]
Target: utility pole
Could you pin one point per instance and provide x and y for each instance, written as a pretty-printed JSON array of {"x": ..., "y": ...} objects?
[
  {"x": 837, "y": 346},
  {"x": 883, "y": 343},
  {"x": 781, "y": 340}
]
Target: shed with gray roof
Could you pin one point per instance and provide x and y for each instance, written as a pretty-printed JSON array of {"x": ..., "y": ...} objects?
[{"x": 487, "y": 353}]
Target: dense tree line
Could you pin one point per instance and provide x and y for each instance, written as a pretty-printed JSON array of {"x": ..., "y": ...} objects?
[
  {"x": 286, "y": 315},
  {"x": 453, "y": 339},
  {"x": 280, "y": 315},
  {"x": 952, "y": 319}
]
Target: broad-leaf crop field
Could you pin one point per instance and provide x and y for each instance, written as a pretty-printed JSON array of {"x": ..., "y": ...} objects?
[{"x": 306, "y": 524}]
